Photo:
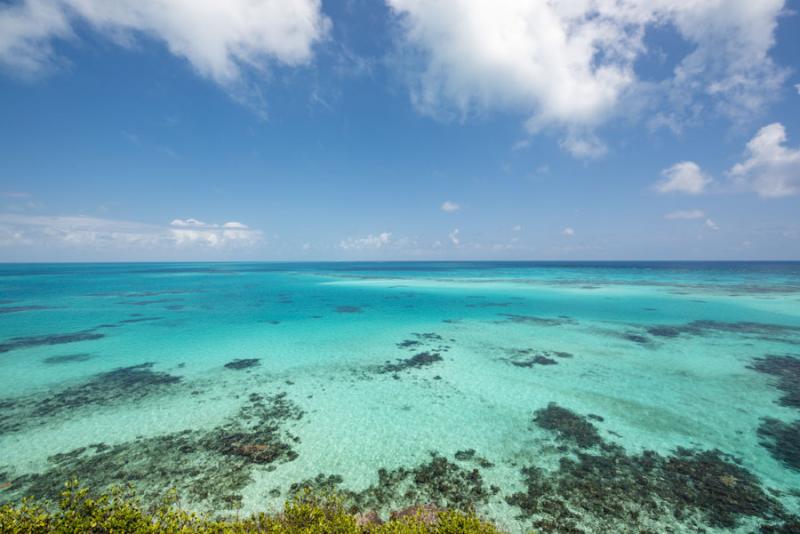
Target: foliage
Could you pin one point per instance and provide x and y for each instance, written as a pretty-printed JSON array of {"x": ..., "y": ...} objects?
[{"x": 120, "y": 511}]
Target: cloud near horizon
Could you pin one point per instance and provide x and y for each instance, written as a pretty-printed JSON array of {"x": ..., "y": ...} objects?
[
  {"x": 95, "y": 233},
  {"x": 685, "y": 215},
  {"x": 369, "y": 242}
]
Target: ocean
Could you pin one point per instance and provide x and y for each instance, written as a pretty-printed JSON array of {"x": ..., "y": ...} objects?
[{"x": 598, "y": 396}]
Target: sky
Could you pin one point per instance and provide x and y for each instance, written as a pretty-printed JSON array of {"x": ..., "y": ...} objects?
[{"x": 211, "y": 130}]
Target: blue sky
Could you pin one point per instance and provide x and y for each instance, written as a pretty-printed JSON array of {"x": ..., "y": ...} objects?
[{"x": 411, "y": 129}]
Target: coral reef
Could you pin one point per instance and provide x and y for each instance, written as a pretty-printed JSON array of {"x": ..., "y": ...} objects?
[
  {"x": 16, "y": 343},
  {"x": 612, "y": 490},
  {"x": 68, "y": 358},
  {"x": 538, "y": 321},
  {"x": 243, "y": 363},
  {"x": 422, "y": 359},
  {"x": 567, "y": 425},
  {"x": 205, "y": 466},
  {"x": 118, "y": 386},
  {"x": 782, "y": 440},
  {"x": 787, "y": 370},
  {"x": 763, "y": 331},
  {"x": 18, "y": 309},
  {"x": 439, "y": 482}
]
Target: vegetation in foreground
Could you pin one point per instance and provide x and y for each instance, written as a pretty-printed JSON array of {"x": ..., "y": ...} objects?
[{"x": 308, "y": 513}]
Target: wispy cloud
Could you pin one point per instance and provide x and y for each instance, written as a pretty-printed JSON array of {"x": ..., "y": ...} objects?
[
  {"x": 98, "y": 233},
  {"x": 569, "y": 232},
  {"x": 368, "y": 242},
  {"x": 449, "y": 206},
  {"x": 685, "y": 214},
  {"x": 454, "y": 237}
]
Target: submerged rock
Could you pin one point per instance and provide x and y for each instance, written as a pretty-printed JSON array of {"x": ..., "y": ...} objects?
[
  {"x": 568, "y": 426},
  {"x": 611, "y": 490},
  {"x": 782, "y": 440},
  {"x": 439, "y": 482},
  {"x": 243, "y": 363},
  {"x": 68, "y": 358},
  {"x": 787, "y": 370},
  {"x": 423, "y": 359},
  {"x": 16, "y": 343},
  {"x": 208, "y": 467}
]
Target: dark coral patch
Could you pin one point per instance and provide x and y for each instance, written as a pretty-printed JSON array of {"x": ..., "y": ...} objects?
[
  {"x": 617, "y": 492},
  {"x": 636, "y": 338},
  {"x": 538, "y": 321},
  {"x": 664, "y": 331},
  {"x": 118, "y": 385},
  {"x": 782, "y": 440},
  {"x": 536, "y": 360},
  {"x": 150, "y": 302},
  {"x": 469, "y": 455},
  {"x": 208, "y": 467},
  {"x": 50, "y": 339},
  {"x": 439, "y": 482},
  {"x": 139, "y": 320},
  {"x": 19, "y": 309},
  {"x": 530, "y": 357},
  {"x": 567, "y": 425},
  {"x": 787, "y": 370},
  {"x": 243, "y": 363},
  {"x": 422, "y": 359},
  {"x": 764, "y": 331},
  {"x": 68, "y": 358}
]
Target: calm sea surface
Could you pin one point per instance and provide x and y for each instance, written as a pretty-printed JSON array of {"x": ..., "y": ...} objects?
[{"x": 595, "y": 396}]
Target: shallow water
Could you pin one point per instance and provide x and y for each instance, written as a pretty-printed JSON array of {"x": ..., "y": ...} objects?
[{"x": 234, "y": 382}]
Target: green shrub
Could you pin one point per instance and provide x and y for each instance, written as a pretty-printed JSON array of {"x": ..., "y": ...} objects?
[{"x": 120, "y": 511}]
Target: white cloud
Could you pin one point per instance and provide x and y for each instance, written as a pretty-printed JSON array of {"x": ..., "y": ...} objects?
[
  {"x": 685, "y": 215},
  {"x": 771, "y": 169},
  {"x": 187, "y": 222},
  {"x": 684, "y": 177},
  {"x": 15, "y": 194},
  {"x": 797, "y": 86},
  {"x": 711, "y": 224},
  {"x": 369, "y": 242},
  {"x": 569, "y": 232},
  {"x": 584, "y": 147},
  {"x": 572, "y": 64},
  {"x": 517, "y": 228},
  {"x": 97, "y": 233},
  {"x": 220, "y": 39},
  {"x": 450, "y": 206},
  {"x": 453, "y": 236}
]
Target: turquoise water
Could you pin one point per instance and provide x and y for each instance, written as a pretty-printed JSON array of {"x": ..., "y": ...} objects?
[{"x": 530, "y": 392}]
